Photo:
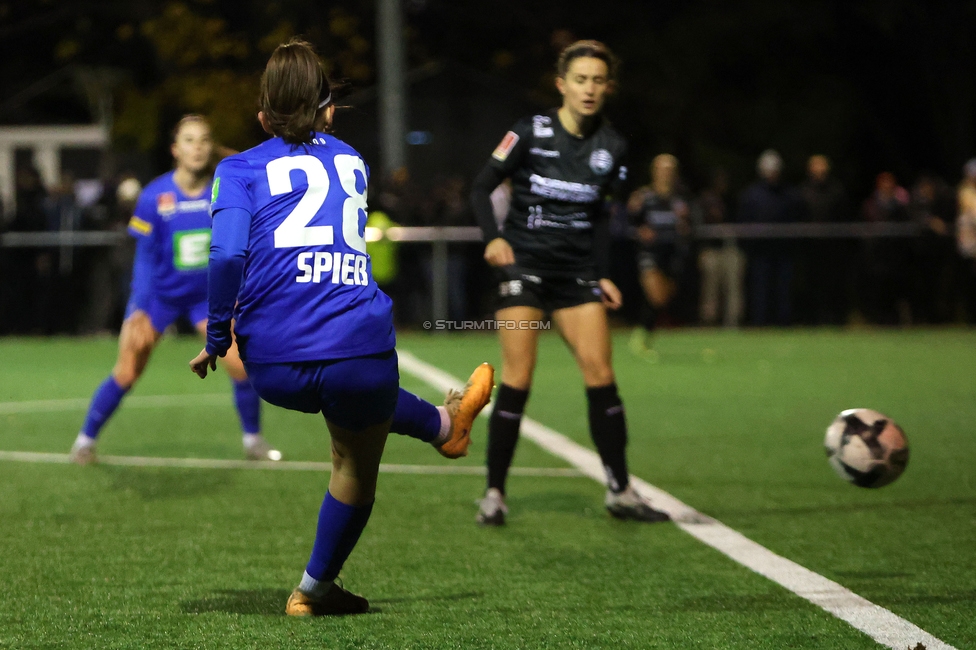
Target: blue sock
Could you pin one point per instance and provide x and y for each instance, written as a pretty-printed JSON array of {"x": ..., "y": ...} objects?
[
  {"x": 416, "y": 418},
  {"x": 339, "y": 528},
  {"x": 248, "y": 406},
  {"x": 104, "y": 402}
]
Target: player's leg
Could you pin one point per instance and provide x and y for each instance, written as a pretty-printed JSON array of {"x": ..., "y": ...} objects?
[
  {"x": 139, "y": 335},
  {"x": 343, "y": 516},
  {"x": 447, "y": 427},
  {"x": 657, "y": 290},
  {"x": 518, "y": 364},
  {"x": 246, "y": 399},
  {"x": 357, "y": 398},
  {"x": 417, "y": 418},
  {"x": 586, "y": 330}
]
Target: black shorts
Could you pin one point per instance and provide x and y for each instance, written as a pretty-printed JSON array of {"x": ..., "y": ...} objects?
[
  {"x": 545, "y": 290},
  {"x": 667, "y": 258}
]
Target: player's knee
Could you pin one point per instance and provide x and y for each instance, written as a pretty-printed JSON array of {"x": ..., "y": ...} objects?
[
  {"x": 137, "y": 349},
  {"x": 351, "y": 492},
  {"x": 597, "y": 370},
  {"x": 349, "y": 484},
  {"x": 126, "y": 375},
  {"x": 130, "y": 366}
]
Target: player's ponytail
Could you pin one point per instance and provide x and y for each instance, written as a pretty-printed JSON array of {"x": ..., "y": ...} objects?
[{"x": 294, "y": 88}]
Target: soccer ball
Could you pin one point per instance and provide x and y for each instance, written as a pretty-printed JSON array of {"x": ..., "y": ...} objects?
[{"x": 866, "y": 448}]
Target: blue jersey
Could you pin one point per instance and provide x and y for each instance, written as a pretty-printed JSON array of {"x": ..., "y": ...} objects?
[
  {"x": 308, "y": 292},
  {"x": 177, "y": 227}
]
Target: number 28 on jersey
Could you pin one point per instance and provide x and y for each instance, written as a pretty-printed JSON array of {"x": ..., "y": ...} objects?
[{"x": 337, "y": 266}]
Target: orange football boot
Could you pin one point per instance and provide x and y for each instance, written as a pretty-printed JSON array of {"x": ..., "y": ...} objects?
[
  {"x": 336, "y": 602},
  {"x": 464, "y": 407}
]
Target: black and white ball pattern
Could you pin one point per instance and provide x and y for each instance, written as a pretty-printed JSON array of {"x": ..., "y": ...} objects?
[{"x": 866, "y": 448}]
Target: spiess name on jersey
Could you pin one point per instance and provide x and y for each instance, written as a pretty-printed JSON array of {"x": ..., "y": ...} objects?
[{"x": 344, "y": 268}]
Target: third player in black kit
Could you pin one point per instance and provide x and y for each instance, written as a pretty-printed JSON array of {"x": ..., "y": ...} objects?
[{"x": 552, "y": 257}]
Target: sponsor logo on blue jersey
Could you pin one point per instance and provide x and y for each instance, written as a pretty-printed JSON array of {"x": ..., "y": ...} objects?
[{"x": 178, "y": 227}]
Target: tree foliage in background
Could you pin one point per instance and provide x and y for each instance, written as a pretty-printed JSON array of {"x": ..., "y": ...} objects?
[
  {"x": 177, "y": 57},
  {"x": 211, "y": 65}
]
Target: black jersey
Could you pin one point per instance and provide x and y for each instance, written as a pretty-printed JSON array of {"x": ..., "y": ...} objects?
[
  {"x": 559, "y": 186},
  {"x": 663, "y": 214}
]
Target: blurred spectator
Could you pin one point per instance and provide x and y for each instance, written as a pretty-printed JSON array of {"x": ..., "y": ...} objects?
[
  {"x": 61, "y": 210},
  {"x": 395, "y": 196},
  {"x": 623, "y": 261},
  {"x": 966, "y": 238},
  {"x": 382, "y": 252},
  {"x": 452, "y": 210},
  {"x": 722, "y": 265},
  {"x": 826, "y": 262},
  {"x": 57, "y": 296},
  {"x": 111, "y": 267},
  {"x": 383, "y": 255},
  {"x": 885, "y": 278},
  {"x": 30, "y": 269},
  {"x": 662, "y": 219},
  {"x": 823, "y": 195},
  {"x": 931, "y": 206},
  {"x": 29, "y": 216},
  {"x": 768, "y": 200}
]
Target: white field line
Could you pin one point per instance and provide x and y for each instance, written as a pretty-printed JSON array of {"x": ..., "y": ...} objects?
[
  {"x": 877, "y": 622},
  {"x": 294, "y": 466},
  {"x": 134, "y": 401}
]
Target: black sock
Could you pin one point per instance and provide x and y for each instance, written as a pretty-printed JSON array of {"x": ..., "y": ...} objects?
[
  {"x": 503, "y": 433},
  {"x": 648, "y": 316},
  {"x": 609, "y": 431}
]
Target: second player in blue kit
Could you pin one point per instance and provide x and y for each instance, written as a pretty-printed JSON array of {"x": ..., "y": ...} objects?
[
  {"x": 171, "y": 224},
  {"x": 288, "y": 264}
]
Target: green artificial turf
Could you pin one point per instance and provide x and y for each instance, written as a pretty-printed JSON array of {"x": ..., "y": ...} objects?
[{"x": 731, "y": 423}]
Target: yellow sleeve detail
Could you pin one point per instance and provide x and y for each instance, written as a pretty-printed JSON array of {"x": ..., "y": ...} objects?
[{"x": 142, "y": 227}]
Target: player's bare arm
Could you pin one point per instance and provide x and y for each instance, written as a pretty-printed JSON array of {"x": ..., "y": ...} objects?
[{"x": 499, "y": 252}]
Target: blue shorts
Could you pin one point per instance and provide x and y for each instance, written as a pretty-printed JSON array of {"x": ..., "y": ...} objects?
[
  {"x": 353, "y": 393},
  {"x": 163, "y": 312}
]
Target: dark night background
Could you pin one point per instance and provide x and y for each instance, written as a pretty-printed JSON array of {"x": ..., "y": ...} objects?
[
  {"x": 884, "y": 85},
  {"x": 877, "y": 86}
]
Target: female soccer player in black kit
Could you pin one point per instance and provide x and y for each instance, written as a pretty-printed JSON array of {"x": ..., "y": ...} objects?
[{"x": 552, "y": 256}]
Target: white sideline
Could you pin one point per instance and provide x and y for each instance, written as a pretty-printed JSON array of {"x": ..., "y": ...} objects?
[
  {"x": 281, "y": 465},
  {"x": 877, "y": 622},
  {"x": 134, "y": 401}
]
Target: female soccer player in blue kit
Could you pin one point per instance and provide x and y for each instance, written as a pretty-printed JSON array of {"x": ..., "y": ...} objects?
[
  {"x": 315, "y": 332},
  {"x": 171, "y": 224}
]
